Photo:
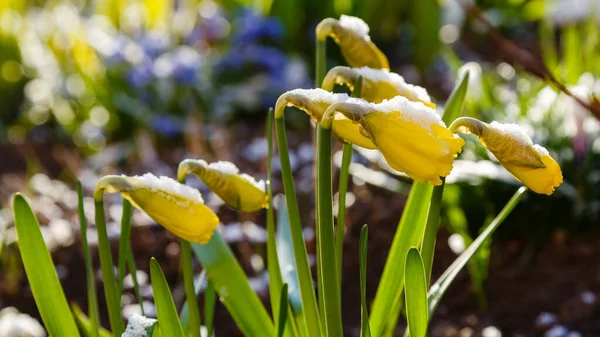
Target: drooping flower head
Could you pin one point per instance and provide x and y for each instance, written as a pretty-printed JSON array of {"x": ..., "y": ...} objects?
[
  {"x": 175, "y": 206},
  {"x": 352, "y": 35},
  {"x": 530, "y": 163},
  {"x": 377, "y": 85},
  {"x": 315, "y": 102},
  {"x": 411, "y": 136},
  {"x": 238, "y": 190}
]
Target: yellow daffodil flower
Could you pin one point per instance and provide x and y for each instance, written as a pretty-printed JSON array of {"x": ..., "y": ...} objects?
[
  {"x": 377, "y": 85},
  {"x": 315, "y": 102},
  {"x": 529, "y": 163},
  {"x": 411, "y": 136},
  {"x": 239, "y": 191},
  {"x": 175, "y": 206},
  {"x": 352, "y": 35}
]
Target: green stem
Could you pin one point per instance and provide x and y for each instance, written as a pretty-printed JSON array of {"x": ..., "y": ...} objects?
[
  {"x": 309, "y": 303},
  {"x": 123, "y": 244},
  {"x": 327, "y": 258},
  {"x": 341, "y": 216},
  {"x": 190, "y": 294},
  {"x": 91, "y": 279},
  {"x": 136, "y": 284},
  {"x": 108, "y": 273},
  {"x": 441, "y": 285},
  {"x": 321, "y": 61},
  {"x": 431, "y": 228}
]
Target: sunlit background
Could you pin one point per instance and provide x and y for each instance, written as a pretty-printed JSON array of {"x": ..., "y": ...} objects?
[{"x": 97, "y": 87}]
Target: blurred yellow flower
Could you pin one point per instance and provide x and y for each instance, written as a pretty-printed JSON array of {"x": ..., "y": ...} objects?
[
  {"x": 352, "y": 35},
  {"x": 239, "y": 191},
  {"x": 530, "y": 163},
  {"x": 315, "y": 102},
  {"x": 377, "y": 85},
  {"x": 411, "y": 136},
  {"x": 175, "y": 206}
]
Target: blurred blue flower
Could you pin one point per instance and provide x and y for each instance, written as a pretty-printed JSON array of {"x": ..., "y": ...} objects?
[
  {"x": 154, "y": 43},
  {"x": 269, "y": 59},
  {"x": 251, "y": 27},
  {"x": 213, "y": 29},
  {"x": 140, "y": 75},
  {"x": 186, "y": 63},
  {"x": 166, "y": 125}
]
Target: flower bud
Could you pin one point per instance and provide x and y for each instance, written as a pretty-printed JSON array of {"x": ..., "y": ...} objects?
[
  {"x": 315, "y": 102},
  {"x": 352, "y": 35},
  {"x": 377, "y": 85},
  {"x": 175, "y": 206},
  {"x": 529, "y": 163},
  {"x": 239, "y": 191},
  {"x": 411, "y": 136}
]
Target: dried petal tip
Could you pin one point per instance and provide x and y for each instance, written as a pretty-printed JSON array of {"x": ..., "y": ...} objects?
[
  {"x": 176, "y": 207},
  {"x": 352, "y": 35},
  {"x": 238, "y": 190},
  {"x": 529, "y": 163}
]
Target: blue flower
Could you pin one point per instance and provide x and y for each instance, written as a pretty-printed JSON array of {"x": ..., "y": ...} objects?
[
  {"x": 154, "y": 44},
  {"x": 140, "y": 75},
  {"x": 166, "y": 125},
  {"x": 252, "y": 27},
  {"x": 186, "y": 64}
]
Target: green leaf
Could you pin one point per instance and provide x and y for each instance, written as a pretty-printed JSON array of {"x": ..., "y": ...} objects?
[
  {"x": 416, "y": 294},
  {"x": 365, "y": 330},
  {"x": 85, "y": 325},
  {"x": 210, "y": 300},
  {"x": 283, "y": 304},
  {"x": 456, "y": 100},
  {"x": 89, "y": 268},
  {"x": 385, "y": 308},
  {"x": 136, "y": 284},
  {"x": 165, "y": 307},
  {"x": 45, "y": 286},
  {"x": 309, "y": 301},
  {"x": 232, "y": 285},
  {"x": 439, "y": 288}
]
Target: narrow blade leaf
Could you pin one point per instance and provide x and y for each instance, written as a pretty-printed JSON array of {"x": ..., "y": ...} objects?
[
  {"x": 43, "y": 280},
  {"x": 165, "y": 307},
  {"x": 416, "y": 294},
  {"x": 365, "y": 329}
]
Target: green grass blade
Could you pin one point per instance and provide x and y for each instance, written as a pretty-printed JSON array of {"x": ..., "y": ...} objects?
[
  {"x": 210, "y": 300},
  {"x": 287, "y": 264},
  {"x": 108, "y": 273},
  {"x": 136, "y": 284},
  {"x": 309, "y": 302},
  {"x": 123, "y": 244},
  {"x": 409, "y": 234},
  {"x": 166, "y": 313},
  {"x": 416, "y": 294},
  {"x": 283, "y": 303},
  {"x": 85, "y": 324},
  {"x": 45, "y": 286},
  {"x": 3, "y": 232},
  {"x": 184, "y": 313},
  {"x": 439, "y": 288},
  {"x": 193, "y": 329},
  {"x": 365, "y": 330},
  {"x": 89, "y": 269},
  {"x": 325, "y": 237},
  {"x": 231, "y": 283}
]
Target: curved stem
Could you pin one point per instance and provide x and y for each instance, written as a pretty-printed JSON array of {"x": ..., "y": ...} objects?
[
  {"x": 341, "y": 216},
  {"x": 190, "y": 294}
]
